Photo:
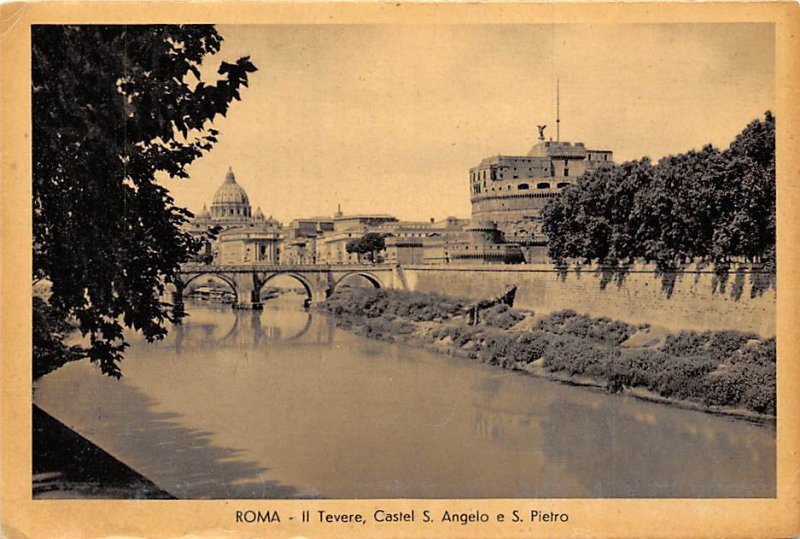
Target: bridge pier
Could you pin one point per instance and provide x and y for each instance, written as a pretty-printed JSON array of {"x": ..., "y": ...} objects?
[
  {"x": 178, "y": 307},
  {"x": 247, "y": 291},
  {"x": 177, "y": 303}
]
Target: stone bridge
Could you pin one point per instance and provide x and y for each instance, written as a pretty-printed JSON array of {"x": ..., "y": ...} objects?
[{"x": 319, "y": 281}]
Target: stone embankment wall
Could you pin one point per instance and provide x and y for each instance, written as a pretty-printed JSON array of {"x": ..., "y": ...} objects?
[{"x": 693, "y": 299}]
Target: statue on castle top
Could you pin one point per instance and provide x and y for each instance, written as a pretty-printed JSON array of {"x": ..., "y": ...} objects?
[{"x": 541, "y": 131}]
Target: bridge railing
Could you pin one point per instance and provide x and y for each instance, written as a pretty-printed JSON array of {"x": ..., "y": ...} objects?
[{"x": 299, "y": 268}]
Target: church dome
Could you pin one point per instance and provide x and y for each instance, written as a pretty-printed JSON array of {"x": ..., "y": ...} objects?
[
  {"x": 230, "y": 201},
  {"x": 231, "y": 192}
]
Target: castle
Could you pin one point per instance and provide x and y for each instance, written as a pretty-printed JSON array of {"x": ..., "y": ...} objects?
[{"x": 514, "y": 188}]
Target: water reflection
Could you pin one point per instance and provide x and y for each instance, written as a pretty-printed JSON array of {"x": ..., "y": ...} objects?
[
  {"x": 280, "y": 403},
  {"x": 203, "y": 327}
]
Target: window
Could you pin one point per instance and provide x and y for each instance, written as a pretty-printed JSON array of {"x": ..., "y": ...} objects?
[
  {"x": 566, "y": 172},
  {"x": 562, "y": 184},
  {"x": 588, "y": 157},
  {"x": 543, "y": 185},
  {"x": 605, "y": 157},
  {"x": 523, "y": 187}
]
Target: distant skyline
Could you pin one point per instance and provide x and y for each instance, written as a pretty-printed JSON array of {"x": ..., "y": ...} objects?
[{"x": 389, "y": 119}]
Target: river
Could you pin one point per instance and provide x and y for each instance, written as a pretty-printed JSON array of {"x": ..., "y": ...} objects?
[{"x": 282, "y": 404}]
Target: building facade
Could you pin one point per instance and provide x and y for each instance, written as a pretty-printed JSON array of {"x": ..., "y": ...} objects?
[
  {"x": 300, "y": 246},
  {"x": 331, "y": 247},
  {"x": 249, "y": 244}
]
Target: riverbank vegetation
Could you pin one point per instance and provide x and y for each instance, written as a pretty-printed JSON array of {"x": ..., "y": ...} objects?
[
  {"x": 710, "y": 205},
  {"x": 710, "y": 369}
]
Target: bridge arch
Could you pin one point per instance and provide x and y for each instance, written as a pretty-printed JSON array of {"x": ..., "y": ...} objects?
[
  {"x": 365, "y": 274},
  {"x": 221, "y": 276},
  {"x": 298, "y": 277}
]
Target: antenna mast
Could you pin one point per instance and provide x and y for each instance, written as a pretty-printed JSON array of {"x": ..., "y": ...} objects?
[{"x": 558, "y": 112}]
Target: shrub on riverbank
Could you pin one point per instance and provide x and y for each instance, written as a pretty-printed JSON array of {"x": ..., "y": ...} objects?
[
  {"x": 720, "y": 344},
  {"x": 391, "y": 304},
  {"x": 715, "y": 368},
  {"x": 501, "y": 316},
  {"x": 600, "y": 330}
]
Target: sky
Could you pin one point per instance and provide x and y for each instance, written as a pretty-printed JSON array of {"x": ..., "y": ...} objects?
[{"x": 389, "y": 118}]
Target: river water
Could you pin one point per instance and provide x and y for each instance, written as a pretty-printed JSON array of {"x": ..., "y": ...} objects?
[{"x": 282, "y": 404}]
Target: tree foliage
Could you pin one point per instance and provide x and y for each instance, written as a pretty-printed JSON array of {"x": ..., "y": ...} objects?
[
  {"x": 112, "y": 107},
  {"x": 707, "y": 205},
  {"x": 370, "y": 244}
]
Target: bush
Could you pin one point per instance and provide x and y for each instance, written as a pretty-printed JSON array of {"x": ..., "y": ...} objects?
[
  {"x": 554, "y": 323},
  {"x": 724, "y": 386},
  {"x": 682, "y": 377},
  {"x": 391, "y": 304},
  {"x": 501, "y": 316},
  {"x": 717, "y": 345},
  {"x": 762, "y": 397},
  {"x": 762, "y": 352},
  {"x": 685, "y": 343},
  {"x": 575, "y": 356},
  {"x": 600, "y": 330},
  {"x": 723, "y": 344},
  {"x": 460, "y": 335},
  {"x": 527, "y": 347},
  {"x": 742, "y": 384},
  {"x": 494, "y": 345},
  {"x": 636, "y": 368}
]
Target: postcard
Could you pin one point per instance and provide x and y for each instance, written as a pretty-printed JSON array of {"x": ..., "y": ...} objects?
[{"x": 399, "y": 270}]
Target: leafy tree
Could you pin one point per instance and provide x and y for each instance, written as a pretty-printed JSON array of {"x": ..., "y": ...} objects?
[
  {"x": 709, "y": 205},
  {"x": 370, "y": 244},
  {"x": 112, "y": 107},
  {"x": 746, "y": 224}
]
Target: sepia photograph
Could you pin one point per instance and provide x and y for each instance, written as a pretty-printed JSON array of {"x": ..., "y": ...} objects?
[{"x": 402, "y": 261}]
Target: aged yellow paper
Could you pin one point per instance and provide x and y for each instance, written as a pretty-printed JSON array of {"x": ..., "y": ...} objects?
[{"x": 397, "y": 117}]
